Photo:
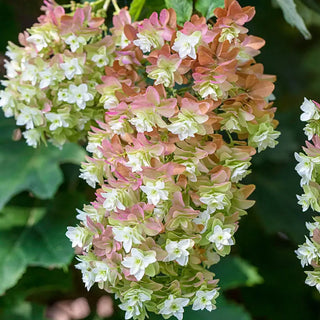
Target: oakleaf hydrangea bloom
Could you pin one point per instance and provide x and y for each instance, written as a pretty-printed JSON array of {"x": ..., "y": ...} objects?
[
  {"x": 52, "y": 77},
  {"x": 169, "y": 184},
  {"x": 308, "y": 168}
]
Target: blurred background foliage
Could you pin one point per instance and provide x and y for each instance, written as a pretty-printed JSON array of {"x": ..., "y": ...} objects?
[{"x": 40, "y": 189}]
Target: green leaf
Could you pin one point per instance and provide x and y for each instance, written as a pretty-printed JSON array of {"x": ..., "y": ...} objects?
[
  {"x": 37, "y": 170},
  {"x": 11, "y": 217},
  {"x": 206, "y": 7},
  {"x": 135, "y": 8},
  {"x": 152, "y": 6},
  {"x": 183, "y": 8},
  {"x": 36, "y": 283},
  {"x": 293, "y": 17},
  {"x": 228, "y": 310},
  {"x": 312, "y": 4},
  {"x": 24, "y": 310},
  {"x": 42, "y": 244},
  {"x": 234, "y": 272}
]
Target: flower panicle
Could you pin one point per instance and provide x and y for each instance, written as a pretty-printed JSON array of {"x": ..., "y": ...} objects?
[
  {"x": 308, "y": 168},
  {"x": 52, "y": 76},
  {"x": 186, "y": 109}
]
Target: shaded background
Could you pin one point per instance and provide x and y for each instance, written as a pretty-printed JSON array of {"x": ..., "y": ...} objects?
[{"x": 262, "y": 280}]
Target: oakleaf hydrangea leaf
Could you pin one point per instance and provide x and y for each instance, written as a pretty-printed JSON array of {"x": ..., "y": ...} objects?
[
  {"x": 235, "y": 272},
  {"x": 183, "y": 9},
  {"x": 41, "y": 243},
  {"x": 206, "y": 7},
  {"x": 135, "y": 8},
  {"x": 292, "y": 16},
  {"x": 36, "y": 170}
]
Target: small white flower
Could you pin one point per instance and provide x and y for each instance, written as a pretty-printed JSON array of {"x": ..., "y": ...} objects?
[
  {"x": 100, "y": 60},
  {"x": 29, "y": 73},
  {"x": 7, "y": 103},
  {"x": 310, "y": 111},
  {"x": 122, "y": 41},
  {"x": 265, "y": 137},
  {"x": 32, "y": 137},
  {"x": 82, "y": 122},
  {"x": 63, "y": 95},
  {"x": 94, "y": 147},
  {"x": 307, "y": 252},
  {"x": 211, "y": 89},
  {"x": 109, "y": 101},
  {"x": 101, "y": 271},
  {"x": 204, "y": 300},
  {"x": 71, "y": 68},
  {"x": 221, "y": 237},
  {"x": 12, "y": 67},
  {"x": 310, "y": 130},
  {"x": 38, "y": 40},
  {"x": 178, "y": 251},
  {"x": 131, "y": 310},
  {"x": 139, "y": 261},
  {"x": 202, "y": 219},
  {"x": 75, "y": 42},
  {"x": 313, "y": 279},
  {"x": 30, "y": 117},
  {"x": 183, "y": 129},
  {"x": 229, "y": 33},
  {"x": 47, "y": 77},
  {"x": 142, "y": 122},
  {"x": 127, "y": 236},
  {"x": 91, "y": 212},
  {"x": 305, "y": 200},
  {"x": 239, "y": 169},
  {"x": 137, "y": 160},
  {"x": 117, "y": 126},
  {"x": 311, "y": 226},
  {"x": 304, "y": 168},
  {"x": 77, "y": 236},
  {"x": 26, "y": 93},
  {"x": 185, "y": 45},
  {"x": 186, "y": 125},
  {"x": 89, "y": 174},
  {"x": 133, "y": 304},
  {"x": 79, "y": 95},
  {"x": 137, "y": 296},
  {"x": 57, "y": 120},
  {"x": 191, "y": 169},
  {"x": 113, "y": 200},
  {"x": 88, "y": 277},
  {"x": 232, "y": 124},
  {"x": 160, "y": 211},
  {"x": 215, "y": 201},
  {"x": 155, "y": 191},
  {"x": 174, "y": 307},
  {"x": 148, "y": 40}
]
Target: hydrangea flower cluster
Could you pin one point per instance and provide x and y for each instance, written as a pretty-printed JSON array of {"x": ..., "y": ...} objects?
[
  {"x": 308, "y": 168},
  {"x": 187, "y": 108},
  {"x": 51, "y": 77}
]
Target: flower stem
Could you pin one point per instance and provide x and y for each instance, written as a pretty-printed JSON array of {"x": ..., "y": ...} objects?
[{"x": 116, "y": 7}]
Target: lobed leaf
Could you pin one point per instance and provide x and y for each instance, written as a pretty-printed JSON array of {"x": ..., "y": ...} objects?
[
  {"x": 235, "y": 272},
  {"x": 206, "y": 7},
  {"x": 36, "y": 170},
  {"x": 135, "y": 8},
  {"x": 183, "y": 8},
  {"x": 292, "y": 16}
]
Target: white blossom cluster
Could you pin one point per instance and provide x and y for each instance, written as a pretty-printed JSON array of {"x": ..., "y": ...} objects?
[
  {"x": 308, "y": 168},
  {"x": 51, "y": 77}
]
